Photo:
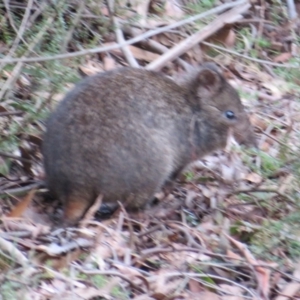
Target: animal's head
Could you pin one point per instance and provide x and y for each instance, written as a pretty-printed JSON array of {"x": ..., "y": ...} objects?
[{"x": 222, "y": 105}]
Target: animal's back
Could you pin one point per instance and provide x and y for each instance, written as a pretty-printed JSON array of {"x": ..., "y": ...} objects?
[{"x": 109, "y": 132}]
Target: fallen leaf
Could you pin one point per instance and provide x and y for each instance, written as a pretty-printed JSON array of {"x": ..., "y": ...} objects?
[
  {"x": 234, "y": 257},
  {"x": 232, "y": 290},
  {"x": 262, "y": 274},
  {"x": 138, "y": 53},
  {"x": 19, "y": 209},
  {"x": 283, "y": 57},
  {"x": 173, "y": 10},
  {"x": 253, "y": 178},
  {"x": 109, "y": 63},
  {"x": 195, "y": 286},
  {"x": 90, "y": 68},
  {"x": 259, "y": 122},
  {"x": 292, "y": 288}
]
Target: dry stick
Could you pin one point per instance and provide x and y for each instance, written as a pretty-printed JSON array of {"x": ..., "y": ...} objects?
[
  {"x": 29, "y": 117},
  {"x": 146, "y": 35},
  {"x": 266, "y": 133},
  {"x": 22, "y": 26},
  {"x": 11, "y": 113},
  {"x": 292, "y": 11},
  {"x": 29, "y": 22},
  {"x": 263, "y": 190},
  {"x": 259, "y": 94},
  {"x": 155, "y": 45},
  {"x": 129, "y": 222},
  {"x": 163, "y": 49},
  {"x": 11, "y": 20},
  {"x": 260, "y": 24},
  {"x": 16, "y": 254},
  {"x": 222, "y": 291},
  {"x": 254, "y": 21},
  {"x": 38, "y": 11},
  {"x": 63, "y": 277},
  {"x": 74, "y": 24},
  {"x": 261, "y": 61},
  {"x": 91, "y": 211},
  {"x": 21, "y": 190},
  {"x": 115, "y": 273},
  {"x": 19, "y": 65},
  {"x": 205, "y": 275},
  {"x": 252, "y": 40},
  {"x": 228, "y": 17},
  {"x": 276, "y": 140},
  {"x": 142, "y": 9},
  {"x": 16, "y": 6},
  {"x": 4, "y": 154},
  {"x": 120, "y": 38},
  {"x": 189, "y": 237},
  {"x": 20, "y": 32}
]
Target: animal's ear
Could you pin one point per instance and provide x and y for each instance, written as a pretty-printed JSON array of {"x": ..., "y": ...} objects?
[{"x": 210, "y": 80}]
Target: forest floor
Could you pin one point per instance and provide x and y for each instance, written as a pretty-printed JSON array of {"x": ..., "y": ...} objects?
[{"x": 231, "y": 227}]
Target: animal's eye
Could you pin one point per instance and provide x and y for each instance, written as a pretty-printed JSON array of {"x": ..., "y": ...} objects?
[{"x": 229, "y": 114}]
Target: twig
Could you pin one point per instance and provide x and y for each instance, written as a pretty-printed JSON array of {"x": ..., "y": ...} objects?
[
  {"x": 29, "y": 117},
  {"x": 263, "y": 190},
  {"x": 137, "y": 39},
  {"x": 89, "y": 215},
  {"x": 154, "y": 45},
  {"x": 20, "y": 31},
  {"x": 130, "y": 226},
  {"x": 42, "y": 5},
  {"x": 191, "y": 241},
  {"x": 19, "y": 65},
  {"x": 17, "y": 6},
  {"x": 266, "y": 134},
  {"x": 228, "y": 17},
  {"x": 63, "y": 277},
  {"x": 254, "y": 21},
  {"x": 114, "y": 273},
  {"x": 261, "y": 61},
  {"x": 292, "y": 11},
  {"x": 11, "y": 113},
  {"x": 74, "y": 24},
  {"x": 260, "y": 24},
  {"x": 262, "y": 275},
  {"x": 11, "y": 20},
  {"x": 197, "y": 275},
  {"x": 120, "y": 38},
  {"x": 22, "y": 190},
  {"x": 260, "y": 95},
  {"x": 153, "y": 251},
  {"x": 14, "y": 252},
  {"x": 3, "y": 154},
  {"x": 253, "y": 37},
  {"x": 276, "y": 140},
  {"x": 153, "y": 229}
]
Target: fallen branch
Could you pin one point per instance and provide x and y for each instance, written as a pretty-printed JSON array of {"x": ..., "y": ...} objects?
[
  {"x": 137, "y": 39},
  {"x": 22, "y": 190},
  {"x": 120, "y": 37},
  {"x": 229, "y": 17},
  {"x": 154, "y": 45},
  {"x": 261, "y": 61},
  {"x": 16, "y": 157}
]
